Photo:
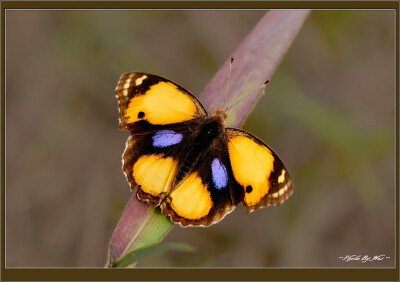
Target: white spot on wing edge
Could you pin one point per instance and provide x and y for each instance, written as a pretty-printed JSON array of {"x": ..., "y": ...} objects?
[
  {"x": 281, "y": 177},
  {"x": 140, "y": 80},
  {"x": 127, "y": 83}
]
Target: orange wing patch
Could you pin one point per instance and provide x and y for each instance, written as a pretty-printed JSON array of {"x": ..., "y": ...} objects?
[
  {"x": 252, "y": 165},
  {"x": 154, "y": 174},
  {"x": 191, "y": 199},
  {"x": 163, "y": 103}
]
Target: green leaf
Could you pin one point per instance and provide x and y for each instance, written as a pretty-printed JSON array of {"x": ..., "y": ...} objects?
[
  {"x": 140, "y": 225},
  {"x": 136, "y": 255}
]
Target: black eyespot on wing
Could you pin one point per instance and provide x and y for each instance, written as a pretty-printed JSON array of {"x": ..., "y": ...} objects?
[{"x": 249, "y": 189}]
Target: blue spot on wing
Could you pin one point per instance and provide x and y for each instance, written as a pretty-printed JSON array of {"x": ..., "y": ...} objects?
[
  {"x": 219, "y": 174},
  {"x": 165, "y": 138}
]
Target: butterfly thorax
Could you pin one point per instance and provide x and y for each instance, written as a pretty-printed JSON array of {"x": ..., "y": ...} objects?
[
  {"x": 220, "y": 115},
  {"x": 206, "y": 136}
]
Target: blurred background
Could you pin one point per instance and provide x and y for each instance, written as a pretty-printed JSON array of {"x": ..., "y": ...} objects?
[{"x": 329, "y": 112}]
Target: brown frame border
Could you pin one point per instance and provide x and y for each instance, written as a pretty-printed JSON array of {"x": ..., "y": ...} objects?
[{"x": 223, "y": 274}]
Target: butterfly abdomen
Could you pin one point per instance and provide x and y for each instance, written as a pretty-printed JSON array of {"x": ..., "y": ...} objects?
[{"x": 208, "y": 131}]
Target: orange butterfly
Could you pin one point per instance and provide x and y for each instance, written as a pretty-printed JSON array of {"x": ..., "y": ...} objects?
[{"x": 188, "y": 162}]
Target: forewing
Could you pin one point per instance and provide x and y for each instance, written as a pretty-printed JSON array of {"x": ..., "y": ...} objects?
[
  {"x": 263, "y": 179},
  {"x": 145, "y": 100}
]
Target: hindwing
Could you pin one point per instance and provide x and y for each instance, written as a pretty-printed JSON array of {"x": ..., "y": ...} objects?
[{"x": 203, "y": 197}]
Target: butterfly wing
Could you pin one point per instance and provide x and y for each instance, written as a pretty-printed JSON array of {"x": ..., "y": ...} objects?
[
  {"x": 160, "y": 116},
  {"x": 261, "y": 176},
  {"x": 203, "y": 197},
  {"x": 151, "y": 159},
  {"x": 147, "y": 100}
]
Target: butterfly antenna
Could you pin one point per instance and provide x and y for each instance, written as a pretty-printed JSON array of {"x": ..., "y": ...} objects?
[
  {"x": 248, "y": 95},
  {"x": 227, "y": 84}
]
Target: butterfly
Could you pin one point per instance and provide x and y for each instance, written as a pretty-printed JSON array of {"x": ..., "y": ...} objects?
[{"x": 186, "y": 161}]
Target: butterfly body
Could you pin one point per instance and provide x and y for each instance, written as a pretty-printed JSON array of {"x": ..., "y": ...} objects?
[
  {"x": 204, "y": 137},
  {"x": 188, "y": 162}
]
